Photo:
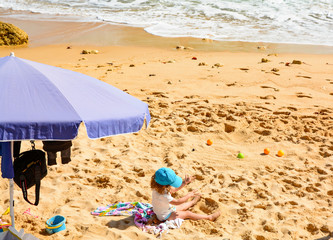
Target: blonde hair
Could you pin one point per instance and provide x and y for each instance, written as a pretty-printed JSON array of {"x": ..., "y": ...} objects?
[{"x": 161, "y": 189}]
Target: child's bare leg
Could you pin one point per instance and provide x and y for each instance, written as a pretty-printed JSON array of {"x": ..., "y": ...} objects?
[
  {"x": 187, "y": 205},
  {"x": 193, "y": 216}
]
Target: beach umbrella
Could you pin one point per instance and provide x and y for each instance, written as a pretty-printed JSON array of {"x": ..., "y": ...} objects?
[{"x": 42, "y": 102}]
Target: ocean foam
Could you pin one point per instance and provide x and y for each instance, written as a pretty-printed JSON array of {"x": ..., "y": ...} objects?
[{"x": 280, "y": 21}]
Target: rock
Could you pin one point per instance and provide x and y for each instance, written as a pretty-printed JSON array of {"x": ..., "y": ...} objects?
[
  {"x": 180, "y": 47},
  {"x": 12, "y": 35},
  {"x": 275, "y": 70},
  {"x": 202, "y": 64},
  {"x": 264, "y": 60},
  {"x": 297, "y": 62}
]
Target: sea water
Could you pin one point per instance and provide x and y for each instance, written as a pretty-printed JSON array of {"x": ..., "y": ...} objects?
[{"x": 278, "y": 21}]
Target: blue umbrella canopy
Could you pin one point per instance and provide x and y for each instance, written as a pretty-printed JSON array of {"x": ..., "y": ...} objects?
[{"x": 43, "y": 102}]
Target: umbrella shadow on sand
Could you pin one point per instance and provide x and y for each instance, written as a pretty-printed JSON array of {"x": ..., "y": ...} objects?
[{"x": 329, "y": 236}]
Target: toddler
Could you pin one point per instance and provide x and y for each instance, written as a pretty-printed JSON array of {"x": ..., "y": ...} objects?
[{"x": 163, "y": 183}]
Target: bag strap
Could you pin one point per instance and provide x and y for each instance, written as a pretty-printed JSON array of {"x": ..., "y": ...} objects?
[
  {"x": 23, "y": 183},
  {"x": 32, "y": 142}
]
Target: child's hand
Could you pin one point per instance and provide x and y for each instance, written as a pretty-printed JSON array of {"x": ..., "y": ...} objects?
[
  {"x": 188, "y": 179},
  {"x": 194, "y": 193}
]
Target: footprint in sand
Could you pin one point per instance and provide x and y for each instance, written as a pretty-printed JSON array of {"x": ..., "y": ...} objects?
[
  {"x": 302, "y": 76},
  {"x": 275, "y": 89},
  {"x": 302, "y": 95},
  {"x": 268, "y": 97},
  {"x": 209, "y": 206}
]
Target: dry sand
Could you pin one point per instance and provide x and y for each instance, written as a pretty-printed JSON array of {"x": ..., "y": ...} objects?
[{"x": 244, "y": 105}]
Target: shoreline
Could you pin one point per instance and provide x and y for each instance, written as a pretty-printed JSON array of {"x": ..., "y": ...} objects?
[{"x": 55, "y": 32}]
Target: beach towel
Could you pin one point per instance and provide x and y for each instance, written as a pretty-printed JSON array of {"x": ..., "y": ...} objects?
[{"x": 142, "y": 212}]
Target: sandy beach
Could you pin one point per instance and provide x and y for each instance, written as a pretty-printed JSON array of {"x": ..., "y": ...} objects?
[{"x": 244, "y": 97}]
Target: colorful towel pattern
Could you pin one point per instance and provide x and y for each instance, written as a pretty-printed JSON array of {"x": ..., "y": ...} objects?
[{"x": 142, "y": 212}]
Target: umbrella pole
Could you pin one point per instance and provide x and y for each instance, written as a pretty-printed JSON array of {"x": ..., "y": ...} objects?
[
  {"x": 11, "y": 194},
  {"x": 11, "y": 189}
]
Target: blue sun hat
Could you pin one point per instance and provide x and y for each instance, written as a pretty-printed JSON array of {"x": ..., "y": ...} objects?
[{"x": 166, "y": 176}]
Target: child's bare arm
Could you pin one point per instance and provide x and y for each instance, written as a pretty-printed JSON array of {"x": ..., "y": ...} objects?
[
  {"x": 186, "y": 181},
  {"x": 185, "y": 198}
]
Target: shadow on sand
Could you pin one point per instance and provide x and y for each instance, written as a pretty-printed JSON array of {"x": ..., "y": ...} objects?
[
  {"x": 329, "y": 236},
  {"x": 122, "y": 223}
]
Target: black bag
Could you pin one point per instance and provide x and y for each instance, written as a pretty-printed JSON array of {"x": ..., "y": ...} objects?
[{"x": 29, "y": 169}]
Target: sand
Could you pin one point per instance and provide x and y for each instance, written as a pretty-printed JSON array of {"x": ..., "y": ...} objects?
[{"x": 236, "y": 99}]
